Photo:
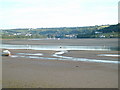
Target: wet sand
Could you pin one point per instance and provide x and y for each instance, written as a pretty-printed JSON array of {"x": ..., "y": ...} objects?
[
  {"x": 93, "y": 55},
  {"x": 79, "y": 42},
  {"x": 42, "y": 73}
]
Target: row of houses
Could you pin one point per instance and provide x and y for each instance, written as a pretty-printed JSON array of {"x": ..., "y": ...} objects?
[{"x": 27, "y": 34}]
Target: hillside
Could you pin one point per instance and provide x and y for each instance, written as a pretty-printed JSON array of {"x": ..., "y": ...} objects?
[{"x": 103, "y": 31}]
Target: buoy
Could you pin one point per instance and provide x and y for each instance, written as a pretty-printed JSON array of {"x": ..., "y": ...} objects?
[{"x": 6, "y": 53}]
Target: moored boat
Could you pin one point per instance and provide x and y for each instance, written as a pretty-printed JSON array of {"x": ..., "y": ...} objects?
[{"x": 6, "y": 53}]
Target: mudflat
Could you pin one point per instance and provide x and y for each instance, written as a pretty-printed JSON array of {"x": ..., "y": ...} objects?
[
  {"x": 80, "y": 42},
  {"x": 20, "y": 72}
]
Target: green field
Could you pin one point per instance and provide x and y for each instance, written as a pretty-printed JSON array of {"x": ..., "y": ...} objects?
[{"x": 101, "y": 31}]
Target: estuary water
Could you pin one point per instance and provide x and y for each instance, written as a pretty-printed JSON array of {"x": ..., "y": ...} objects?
[
  {"x": 57, "y": 47},
  {"x": 62, "y": 50}
]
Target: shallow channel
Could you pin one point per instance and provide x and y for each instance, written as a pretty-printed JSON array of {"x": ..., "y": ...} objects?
[
  {"x": 48, "y": 47},
  {"x": 62, "y": 50}
]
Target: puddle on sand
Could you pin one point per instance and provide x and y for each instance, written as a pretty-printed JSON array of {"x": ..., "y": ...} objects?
[
  {"x": 109, "y": 55},
  {"x": 36, "y": 57},
  {"x": 58, "y": 56},
  {"x": 36, "y": 54}
]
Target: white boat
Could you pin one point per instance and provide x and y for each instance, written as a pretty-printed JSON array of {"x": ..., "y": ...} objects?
[{"x": 6, "y": 53}]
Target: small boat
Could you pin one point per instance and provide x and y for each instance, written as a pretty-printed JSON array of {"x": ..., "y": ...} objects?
[{"x": 6, "y": 53}]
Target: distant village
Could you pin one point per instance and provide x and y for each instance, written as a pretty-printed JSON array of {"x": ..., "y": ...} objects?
[{"x": 104, "y": 31}]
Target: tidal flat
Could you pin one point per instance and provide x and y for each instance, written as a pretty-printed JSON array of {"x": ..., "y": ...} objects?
[{"x": 61, "y": 71}]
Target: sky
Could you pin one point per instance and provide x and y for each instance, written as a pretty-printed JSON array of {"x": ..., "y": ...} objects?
[{"x": 57, "y": 13}]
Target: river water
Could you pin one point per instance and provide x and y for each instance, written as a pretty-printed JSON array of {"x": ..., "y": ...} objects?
[
  {"x": 62, "y": 50},
  {"x": 56, "y": 47}
]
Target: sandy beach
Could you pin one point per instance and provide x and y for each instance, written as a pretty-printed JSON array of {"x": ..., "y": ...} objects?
[{"x": 20, "y": 72}]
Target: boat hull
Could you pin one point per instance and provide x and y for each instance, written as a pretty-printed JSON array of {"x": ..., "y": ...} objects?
[{"x": 5, "y": 54}]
